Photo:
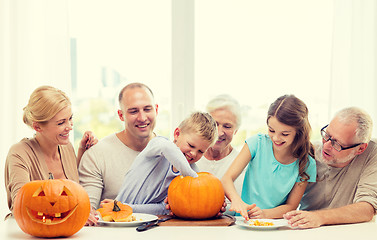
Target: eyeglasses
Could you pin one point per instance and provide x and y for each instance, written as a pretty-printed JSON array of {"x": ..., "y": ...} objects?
[{"x": 334, "y": 143}]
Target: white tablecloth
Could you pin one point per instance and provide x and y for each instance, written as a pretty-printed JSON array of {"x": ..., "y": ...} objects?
[{"x": 10, "y": 230}]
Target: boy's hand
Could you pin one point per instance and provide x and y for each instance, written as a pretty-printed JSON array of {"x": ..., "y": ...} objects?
[{"x": 167, "y": 206}]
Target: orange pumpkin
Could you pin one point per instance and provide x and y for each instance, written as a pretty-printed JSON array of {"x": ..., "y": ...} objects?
[
  {"x": 116, "y": 212},
  {"x": 196, "y": 198},
  {"x": 51, "y": 208}
]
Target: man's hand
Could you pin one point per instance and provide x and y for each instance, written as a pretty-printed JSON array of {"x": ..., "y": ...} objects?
[{"x": 303, "y": 219}]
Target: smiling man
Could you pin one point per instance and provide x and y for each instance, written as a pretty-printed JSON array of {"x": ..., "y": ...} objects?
[
  {"x": 346, "y": 187},
  {"x": 102, "y": 169}
]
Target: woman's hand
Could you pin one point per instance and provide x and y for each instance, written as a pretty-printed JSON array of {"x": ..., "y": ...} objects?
[
  {"x": 88, "y": 140},
  {"x": 93, "y": 218},
  {"x": 222, "y": 209}
]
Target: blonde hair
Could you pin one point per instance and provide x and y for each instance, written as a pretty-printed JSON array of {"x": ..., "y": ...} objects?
[
  {"x": 202, "y": 124},
  {"x": 44, "y": 103}
]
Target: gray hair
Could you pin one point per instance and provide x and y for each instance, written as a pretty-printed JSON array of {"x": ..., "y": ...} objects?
[
  {"x": 225, "y": 101},
  {"x": 364, "y": 122}
]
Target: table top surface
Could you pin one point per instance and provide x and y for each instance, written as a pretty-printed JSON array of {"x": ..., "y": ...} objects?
[{"x": 10, "y": 230}]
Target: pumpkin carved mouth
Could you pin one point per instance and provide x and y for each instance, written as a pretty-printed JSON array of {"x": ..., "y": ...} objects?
[{"x": 49, "y": 219}]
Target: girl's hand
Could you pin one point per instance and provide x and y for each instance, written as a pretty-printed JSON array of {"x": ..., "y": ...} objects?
[
  {"x": 256, "y": 212},
  {"x": 88, "y": 140},
  {"x": 242, "y": 208}
]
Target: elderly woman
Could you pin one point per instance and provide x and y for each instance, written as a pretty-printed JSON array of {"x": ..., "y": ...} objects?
[
  {"x": 49, "y": 114},
  {"x": 227, "y": 113}
]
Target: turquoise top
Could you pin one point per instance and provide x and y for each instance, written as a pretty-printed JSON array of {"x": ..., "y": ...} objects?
[{"x": 267, "y": 182}]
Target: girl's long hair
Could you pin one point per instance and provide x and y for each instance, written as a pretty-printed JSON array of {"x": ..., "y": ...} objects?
[{"x": 291, "y": 111}]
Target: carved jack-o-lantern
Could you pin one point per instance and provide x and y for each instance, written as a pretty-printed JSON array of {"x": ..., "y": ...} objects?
[{"x": 51, "y": 208}]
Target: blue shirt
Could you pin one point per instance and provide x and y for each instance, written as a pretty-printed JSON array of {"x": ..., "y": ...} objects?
[
  {"x": 146, "y": 184},
  {"x": 267, "y": 182}
]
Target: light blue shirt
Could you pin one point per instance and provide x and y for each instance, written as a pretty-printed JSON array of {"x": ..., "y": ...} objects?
[
  {"x": 146, "y": 184},
  {"x": 267, "y": 182}
]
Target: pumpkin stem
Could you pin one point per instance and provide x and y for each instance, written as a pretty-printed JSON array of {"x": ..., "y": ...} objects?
[
  {"x": 116, "y": 207},
  {"x": 50, "y": 176}
]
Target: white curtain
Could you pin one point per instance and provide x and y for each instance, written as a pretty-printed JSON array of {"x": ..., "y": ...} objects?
[
  {"x": 354, "y": 79},
  {"x": 34, "y": 51}
]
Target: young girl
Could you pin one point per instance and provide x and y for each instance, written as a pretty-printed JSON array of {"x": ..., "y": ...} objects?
[{"x": 279, "y": 165}]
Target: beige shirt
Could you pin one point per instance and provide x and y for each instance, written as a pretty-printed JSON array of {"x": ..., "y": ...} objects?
[
  {"x": 103, "y": 167},
  {"x": 25, "y": 163},
  {"x": 337, "y": 187}
]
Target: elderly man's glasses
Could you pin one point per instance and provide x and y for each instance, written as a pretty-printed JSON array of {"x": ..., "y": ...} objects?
[{"x": 334, "y": 143}]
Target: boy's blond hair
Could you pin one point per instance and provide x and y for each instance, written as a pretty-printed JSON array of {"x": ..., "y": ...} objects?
[{"x": 202, "y": 124}]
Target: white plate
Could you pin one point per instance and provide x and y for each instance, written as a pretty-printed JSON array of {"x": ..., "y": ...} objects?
[
  {"x": 277, "y": 223},
  {"x": 140, "y": 219}
]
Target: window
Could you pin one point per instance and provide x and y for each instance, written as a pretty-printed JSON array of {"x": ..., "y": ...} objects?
[
  {"x": 257, "y": 51},
  {"x": 114, "y": 43},
  {"x": 247, "y": 49}
]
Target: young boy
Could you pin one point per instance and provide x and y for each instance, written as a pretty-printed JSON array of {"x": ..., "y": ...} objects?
[{"x": 146, "y": 184}]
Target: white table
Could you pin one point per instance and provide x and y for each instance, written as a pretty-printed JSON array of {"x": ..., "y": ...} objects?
[{"x": 10, "y": 230}]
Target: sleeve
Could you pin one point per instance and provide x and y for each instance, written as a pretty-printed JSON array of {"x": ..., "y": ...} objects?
[
  {"x": 173, "y": 154},
  {"x": 150, "y": 208},
  {"x": 312, "y": 170},
  {"x": 90, "y": 177},
  {"x": 367, "y": 185},
  {"x": 253, "y": 143},
  {"x": 195, "y": 167},
  {"x": 18, "y": 174}
]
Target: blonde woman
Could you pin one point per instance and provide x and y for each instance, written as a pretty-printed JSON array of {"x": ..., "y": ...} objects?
[{"x": 49, "y": 114}]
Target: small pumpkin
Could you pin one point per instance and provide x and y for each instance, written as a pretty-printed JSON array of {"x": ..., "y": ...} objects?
[
  {"x": 196, "y": 198},
  {"x": 51, "y": 208},
  {"x": 116, "y": 212}
]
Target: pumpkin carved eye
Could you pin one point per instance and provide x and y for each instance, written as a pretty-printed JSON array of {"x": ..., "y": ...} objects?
[
  {"x": 66, "y": 192},
  {"x": 39, "y": 192}
]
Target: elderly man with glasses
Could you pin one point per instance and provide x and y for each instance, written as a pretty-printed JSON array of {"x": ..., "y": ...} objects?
[{"x": 346, "y": 187}]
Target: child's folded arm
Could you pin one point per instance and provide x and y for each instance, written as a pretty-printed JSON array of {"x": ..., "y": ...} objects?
[
  {"x": 150, "y": 208},
  {"x": 174, "y": 155}
]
